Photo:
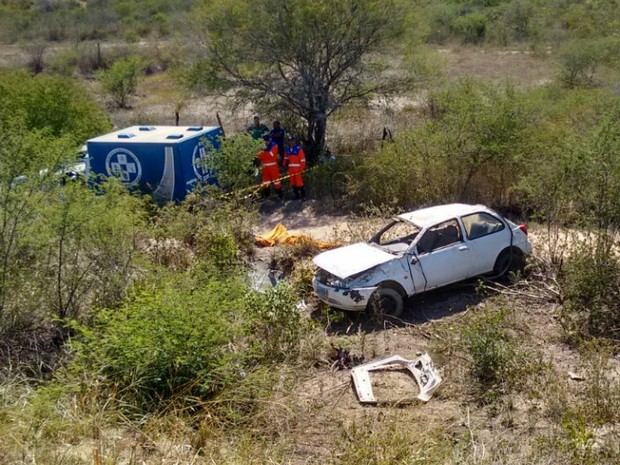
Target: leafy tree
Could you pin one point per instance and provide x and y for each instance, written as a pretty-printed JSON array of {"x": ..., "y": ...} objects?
[
  {"x": 121, "y": 79},
  {"x": 308, "y": 56},
  {"x": 61, "y": 246},
  {"x": 581, "y": 59},
  {"x": 59, "y": 106}
]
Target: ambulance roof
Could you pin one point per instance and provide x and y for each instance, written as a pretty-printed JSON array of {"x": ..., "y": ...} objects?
[{"x": 154, "y": 134}]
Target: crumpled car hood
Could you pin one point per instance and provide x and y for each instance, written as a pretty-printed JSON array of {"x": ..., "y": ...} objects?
[{"x": 351, "y": 259}]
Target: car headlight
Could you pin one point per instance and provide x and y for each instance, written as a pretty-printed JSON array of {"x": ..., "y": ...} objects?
[
  {"x": 336, "y": 282},
  {"x": 330, "y": 280}
]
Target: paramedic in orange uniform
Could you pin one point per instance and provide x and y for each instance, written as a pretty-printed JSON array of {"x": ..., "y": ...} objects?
[
  {"x": 295, "y": 160},
  {"x": 268, "y": 158}
]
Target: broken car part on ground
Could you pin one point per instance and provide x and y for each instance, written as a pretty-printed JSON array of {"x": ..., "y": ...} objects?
[{"x": 421, "y": 368}]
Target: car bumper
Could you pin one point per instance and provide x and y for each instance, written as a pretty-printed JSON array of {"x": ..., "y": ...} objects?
[
  {"x": 351, "y": 299},
  {"x": 525, "y": 246}
]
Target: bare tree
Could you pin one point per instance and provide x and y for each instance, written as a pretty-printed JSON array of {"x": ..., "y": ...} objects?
[{"x": 36, "y": 53}]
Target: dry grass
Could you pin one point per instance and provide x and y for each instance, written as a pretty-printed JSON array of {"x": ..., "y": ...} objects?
[{"x": 312, "y": 414}]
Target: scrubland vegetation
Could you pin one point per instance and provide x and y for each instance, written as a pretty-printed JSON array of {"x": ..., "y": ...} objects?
[{"x": 129, "y": 331}]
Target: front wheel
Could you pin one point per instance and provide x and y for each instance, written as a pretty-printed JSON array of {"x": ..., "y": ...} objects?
[{"x": 387, "y": 301}]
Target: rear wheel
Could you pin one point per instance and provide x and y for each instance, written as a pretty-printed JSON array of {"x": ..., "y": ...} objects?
[
  {"x": 387, "y": 301},
  {"x": 509, "y": 262}
]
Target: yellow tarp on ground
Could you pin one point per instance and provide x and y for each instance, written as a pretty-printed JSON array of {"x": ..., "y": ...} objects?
[{"x": 279, "y": 235}]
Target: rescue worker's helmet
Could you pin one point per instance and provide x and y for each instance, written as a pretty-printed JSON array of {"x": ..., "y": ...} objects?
[{"x": 291, "y": 137}]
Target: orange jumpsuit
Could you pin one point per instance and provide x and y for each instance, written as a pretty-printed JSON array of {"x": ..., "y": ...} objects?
[
  {"x": 270, "y": 170},
  {"x": 295, "y": 159}
]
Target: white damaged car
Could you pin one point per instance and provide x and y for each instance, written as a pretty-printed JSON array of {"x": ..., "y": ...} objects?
[{"x": 419, "y": 251}]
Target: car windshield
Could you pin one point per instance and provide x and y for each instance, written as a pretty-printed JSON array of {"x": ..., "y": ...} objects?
[{"x": 396, "y": 236}]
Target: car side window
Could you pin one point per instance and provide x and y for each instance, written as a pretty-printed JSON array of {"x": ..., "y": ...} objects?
[
  {"x": 441, "y": 235},
  {"x": 481, "y": 224}
]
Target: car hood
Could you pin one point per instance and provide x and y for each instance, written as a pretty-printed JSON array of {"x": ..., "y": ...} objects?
[{"x": 351, "y": 259}]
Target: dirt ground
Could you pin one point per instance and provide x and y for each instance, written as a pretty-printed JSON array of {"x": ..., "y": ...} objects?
[{"x": 157, "y": 97}]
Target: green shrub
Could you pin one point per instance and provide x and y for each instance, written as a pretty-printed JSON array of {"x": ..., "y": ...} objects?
[
  {"x": 62, "y": 246},
  {"x": 90, "y": 58},
  {"x": 172, "y": 338},
  {"x": 54, "y": 104},
  {"x": 233, "y": 162},
  {"x": 574, "y": 181},
  {"x": 121, "y": 79},
  {"x": 518, "y": 17},
  {"x": 497, "y": 363},
  {"x": 36, "y": 51},
  {"x": 581, "y": 59},
  {"x": 64, "y": 62},
  {"x": 70, "y": 249},
  {"x": 471, "y": 148},
  {"x": 330, "y": 180},
  {"x": 472, "y": 26},
  {"x": 186, "y": 338},
  {"x": 591, "y": 289},
  {"x": 217, "y": 231},
  {"x": 580, "y": 439},
  {"x": 301, "y": 277},
  {"x": 440, "y": 18},
  {"x": 600, "y": 398},
  {"x": 274, "y": 324}
]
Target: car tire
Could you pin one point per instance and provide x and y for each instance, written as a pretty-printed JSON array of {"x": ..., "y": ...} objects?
[
  {"x": 508, "y": 262},
  {"x": 387, "y": 301}
]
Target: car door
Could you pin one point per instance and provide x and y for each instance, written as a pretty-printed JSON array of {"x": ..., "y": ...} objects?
[
  {"x": 486, "y": 235},
  {"x": 442, "y": 256}
]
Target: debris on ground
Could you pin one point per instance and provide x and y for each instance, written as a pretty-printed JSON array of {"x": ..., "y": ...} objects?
[
  {"x": 575, "y": 376},
  {"x": 421, "y": 368},
  {"x": 262, "y": 277},
  {"x": 341, "y": 358},
  {"x": 280, "y": 235}
]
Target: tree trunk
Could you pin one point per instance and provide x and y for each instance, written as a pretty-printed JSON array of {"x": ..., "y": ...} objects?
[
  {"x": 320, "y": 130},
  {"x": 315, "y": 136}
]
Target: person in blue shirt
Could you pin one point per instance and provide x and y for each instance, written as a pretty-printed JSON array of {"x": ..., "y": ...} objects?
[{"x": 277, "y": 135}]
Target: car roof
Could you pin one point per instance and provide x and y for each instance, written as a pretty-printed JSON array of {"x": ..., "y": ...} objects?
[{"x": 432, "y": 215}]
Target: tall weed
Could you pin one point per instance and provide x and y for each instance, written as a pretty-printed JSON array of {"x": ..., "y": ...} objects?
[{"x": 497, "y": 361}]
